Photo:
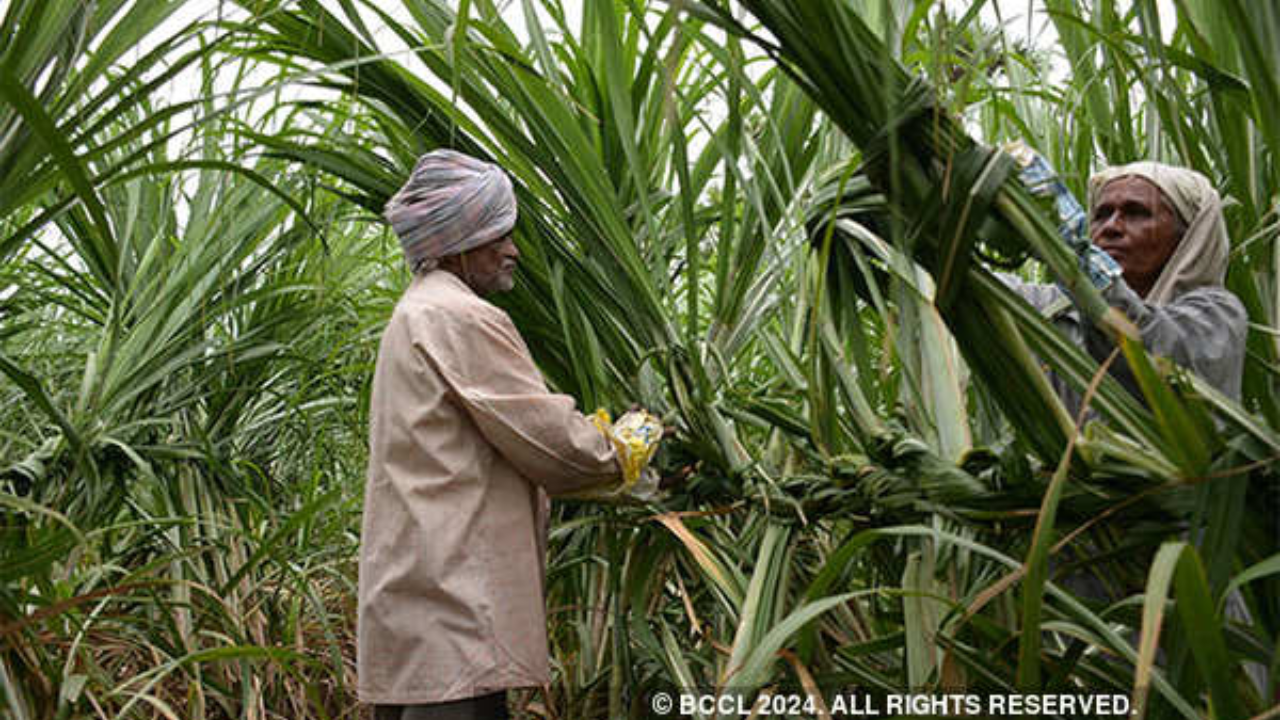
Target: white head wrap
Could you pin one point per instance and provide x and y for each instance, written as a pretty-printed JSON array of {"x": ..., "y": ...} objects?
[
  {"x": 450, "y": 204},
  {"x": 1201, "y": 256}
]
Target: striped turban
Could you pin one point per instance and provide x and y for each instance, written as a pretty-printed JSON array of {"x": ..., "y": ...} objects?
[{"x": 451, "y": 203}]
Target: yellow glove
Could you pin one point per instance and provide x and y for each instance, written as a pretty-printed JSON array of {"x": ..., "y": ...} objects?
[{"x": 635, "y": 438}]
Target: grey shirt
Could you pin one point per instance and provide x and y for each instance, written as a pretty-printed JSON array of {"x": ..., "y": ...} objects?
[{"x": 1203, "y": 330}]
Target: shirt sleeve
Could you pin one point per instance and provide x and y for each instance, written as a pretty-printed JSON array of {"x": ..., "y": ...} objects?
[
  {"x": 1203, "y": 330},
  {"x": 1038, "y": 296},
  {"x": 487, "y": 367}
]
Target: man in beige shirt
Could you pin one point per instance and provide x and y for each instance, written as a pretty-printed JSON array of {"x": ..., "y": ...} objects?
[{"x": 465, "y": 445}]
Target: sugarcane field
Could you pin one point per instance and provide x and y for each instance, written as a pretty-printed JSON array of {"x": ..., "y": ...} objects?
[{"x": 630, "y": 359}]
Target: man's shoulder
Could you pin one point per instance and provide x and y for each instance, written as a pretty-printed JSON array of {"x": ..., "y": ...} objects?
[
  {"x": 442, "y": 293},
  {"x": 1216, "y": 296},
  {"x": 1213, "y": 292}
]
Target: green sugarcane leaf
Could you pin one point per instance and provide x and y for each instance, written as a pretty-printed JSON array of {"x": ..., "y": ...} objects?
[
  {"x": 1204, "y": 634},
  {"x": 1257, "y": 571},
  {"x": 1184, "y": 427},
  {"x": 103, "y": 256}
]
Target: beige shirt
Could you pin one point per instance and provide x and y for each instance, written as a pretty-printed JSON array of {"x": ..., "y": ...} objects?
[{"x": 464, "y": 439}]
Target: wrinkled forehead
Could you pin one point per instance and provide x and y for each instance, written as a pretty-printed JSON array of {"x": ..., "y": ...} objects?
[
  {"x": 1184, "y": 190},
  {"x": 1134, "y": 188}
]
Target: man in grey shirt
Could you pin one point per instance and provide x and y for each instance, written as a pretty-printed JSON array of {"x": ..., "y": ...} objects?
[{"x": 1164, "y": 228}]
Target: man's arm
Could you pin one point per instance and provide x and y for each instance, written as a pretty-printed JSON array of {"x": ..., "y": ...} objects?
[
  {"x": 487, "y": 366},
  {"x": 1039, "y": 296}
]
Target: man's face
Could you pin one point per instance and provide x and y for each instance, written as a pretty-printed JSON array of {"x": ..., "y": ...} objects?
[
  {"x": 1133, "y": 223},
  {"x": 490, "y": 268}
]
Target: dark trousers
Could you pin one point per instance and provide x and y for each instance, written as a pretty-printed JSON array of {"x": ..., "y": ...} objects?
[{"x": 485, "y": 707}]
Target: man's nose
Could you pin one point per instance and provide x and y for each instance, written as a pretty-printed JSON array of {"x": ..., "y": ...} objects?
[{"x": 509, "y": 249}]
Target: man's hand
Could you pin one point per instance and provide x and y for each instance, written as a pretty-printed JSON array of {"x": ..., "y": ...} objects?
[
  {"x": 1073, "y": 225},
  {"x": 635, "y": 437}
]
